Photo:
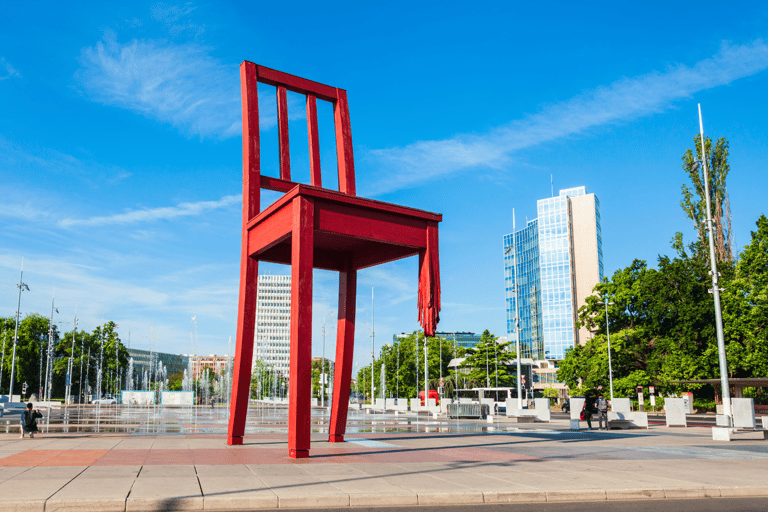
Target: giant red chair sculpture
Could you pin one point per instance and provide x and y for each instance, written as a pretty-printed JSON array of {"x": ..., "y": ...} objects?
[{"x": 313, "y": 227}]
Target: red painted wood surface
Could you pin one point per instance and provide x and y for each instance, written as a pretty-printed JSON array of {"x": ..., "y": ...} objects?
[
  {"x": 296, "y": 84},
  {"x": 345, "y": 345},
  {"x": 282, "y": 134},
  {"x": 314, "y": 142},
  {"x": 344, "y": 144},
  {"x": 249, "y": 268},
  {"x": 312, "y": 227},
  {"x": 300, "y": 380}
]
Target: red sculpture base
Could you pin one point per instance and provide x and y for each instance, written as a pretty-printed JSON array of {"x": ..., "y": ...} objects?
[
  {"x": 234, "y": 441},
  {"x": 336, "y": 438},
  {"x": 298, "y": 454}
]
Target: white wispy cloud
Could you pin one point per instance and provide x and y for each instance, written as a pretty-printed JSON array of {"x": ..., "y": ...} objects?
[
  {"x": 154, "y": 214},
  {"x": 23, "y": 161},
  {"x": 177, "y": 18},
  {"x": 7, "y": 70},
  {"x": 625, "y": 99},
  {"x": 180, "y": 84}
]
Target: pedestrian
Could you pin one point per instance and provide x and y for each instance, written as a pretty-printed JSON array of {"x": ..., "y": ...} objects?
[
  {"x": 586, "y": 413},
  {"x": 29, "y": 421},
  {"x": 602, "y": 412}
]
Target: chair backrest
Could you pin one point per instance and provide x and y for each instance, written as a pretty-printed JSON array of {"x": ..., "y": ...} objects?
[{"x": 250, "y": 75}]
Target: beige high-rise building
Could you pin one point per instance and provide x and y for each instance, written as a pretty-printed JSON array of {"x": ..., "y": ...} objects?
[
  {"x": 272, "y": 342},
  {"x": 551, "y": 267}
]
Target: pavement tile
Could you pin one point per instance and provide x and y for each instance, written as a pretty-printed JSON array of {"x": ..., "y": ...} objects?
[
  {"x": 30, "y": 489},
  {"x": 169, "y": 487},
  {"x": 10, "y": 472},
  {"x": 233, "y": 488},
  {"x": 95, "y": 489}
]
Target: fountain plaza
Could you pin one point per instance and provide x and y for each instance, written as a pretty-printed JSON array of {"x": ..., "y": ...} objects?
[{"x": 153, "y": 457}]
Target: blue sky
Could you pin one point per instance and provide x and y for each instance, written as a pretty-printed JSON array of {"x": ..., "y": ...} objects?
[{"x": 120, "y": 150}]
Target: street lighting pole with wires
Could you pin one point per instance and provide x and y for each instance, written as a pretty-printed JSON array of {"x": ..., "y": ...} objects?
[
  {"x": 715, "y": 290},
  {"x": 608, "y": 334},
  {"x": 21, "y": 286},
  {"x": 517, "y": 320}
]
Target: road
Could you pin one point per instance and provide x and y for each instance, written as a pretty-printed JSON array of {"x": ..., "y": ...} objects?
[{"x": 698, "y": 505}]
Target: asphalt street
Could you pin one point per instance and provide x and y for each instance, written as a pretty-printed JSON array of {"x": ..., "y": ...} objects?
[{"x": 683, "y": 505}]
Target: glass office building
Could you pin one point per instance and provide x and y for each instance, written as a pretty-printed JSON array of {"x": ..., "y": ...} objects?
[
  {"x": 461, "y": 339},
  {"x": 524, "y": 247},
  {"x": 553, "y": 264}
]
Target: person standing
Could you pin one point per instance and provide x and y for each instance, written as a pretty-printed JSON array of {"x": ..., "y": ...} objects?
[
  {"x": 586, "y": 413},
  {"x": 29, "y": 421},
  {"x": 602, "y": 412}
]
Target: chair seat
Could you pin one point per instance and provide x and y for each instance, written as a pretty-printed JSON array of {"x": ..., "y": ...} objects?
[{"x": 369, "y": 232}]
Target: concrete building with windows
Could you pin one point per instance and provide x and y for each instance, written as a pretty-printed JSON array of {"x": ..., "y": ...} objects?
[
  {"x": 216, "y": 364},
  {"x": 552, "y": 264},
  {"x": 145, "y": 359},
  {"x": 273, "y": 322},
  {"x": 462, "y": 339}
]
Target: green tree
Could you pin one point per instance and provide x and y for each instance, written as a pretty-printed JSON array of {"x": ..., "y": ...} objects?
[
  {"x": 745, "y": 308},
  {"x": 33, "y": 336},
  {"x": 403, "y": 363},
  {"x": 482, "y": 362},
  {"x": 175, "y": 381},
  {"x": 694, "y": 200},
  {"x": 266, "y": 381}
]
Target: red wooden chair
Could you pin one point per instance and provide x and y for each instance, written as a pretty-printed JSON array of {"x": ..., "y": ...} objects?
[{"x": 313, "y": 227}]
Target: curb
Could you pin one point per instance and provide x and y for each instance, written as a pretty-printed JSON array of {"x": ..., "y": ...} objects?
[{"x": 405, "y": 499}]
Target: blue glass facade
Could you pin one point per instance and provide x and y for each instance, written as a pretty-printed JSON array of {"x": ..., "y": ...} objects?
[
  {"x": 524, "y": 250},
  {"x": 539, "y": 261},
  {"x": 555, "y": 260}
]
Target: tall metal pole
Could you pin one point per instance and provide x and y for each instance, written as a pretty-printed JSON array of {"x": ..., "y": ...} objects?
[
  {"x": 608, "y": 334},
  {"x": 715, "y": 284},
  {"x": 517, "y": 319},
  {"x": 373, "y": 357},
  {"x": 2, "y": 362},
  {"x": 21, "y": 286},
  {"x": 70, "y": 364},
  {"x": 322, "y": 371},
  {"x": 46, "y": 392},
  {"x": 426, "y": 376}
]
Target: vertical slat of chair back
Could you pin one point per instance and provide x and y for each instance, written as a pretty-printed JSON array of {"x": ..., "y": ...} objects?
[
  {"x": 251, "y": 148},
  {"x": 250, "y": 75},
  {"x": 282, "y": 129},
  {"x": 314, "y": 141}
]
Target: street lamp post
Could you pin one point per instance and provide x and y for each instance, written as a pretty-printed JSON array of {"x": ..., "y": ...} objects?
[
  {"x": 513, "y": 247},
  {"x": 608, "y": 334},
  {"x": 715, "y": 291},
  {"x": 21, "y": 286}
]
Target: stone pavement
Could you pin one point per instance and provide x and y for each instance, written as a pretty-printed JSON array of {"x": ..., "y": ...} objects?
[{"x": 107, "y": 472}]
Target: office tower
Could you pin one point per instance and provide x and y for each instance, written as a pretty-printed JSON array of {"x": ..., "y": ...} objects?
[
  {"x": 273, "y": 322},
  {"x": 461, "y": 339},
  {"x": 555, "y": 261}
]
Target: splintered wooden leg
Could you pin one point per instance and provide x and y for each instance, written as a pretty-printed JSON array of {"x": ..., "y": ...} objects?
[
  {"x": 246, "y": 327},
  {"x": 345, "y": 343}
]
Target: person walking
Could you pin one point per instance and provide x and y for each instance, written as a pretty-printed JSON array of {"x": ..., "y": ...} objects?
[
  {"x": 29, "y": 421},
  {"x": 602, "y": 412}
]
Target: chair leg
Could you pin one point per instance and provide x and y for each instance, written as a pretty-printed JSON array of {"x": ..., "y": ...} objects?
[
  {"x": 300, "y": 378},
  {"x": 246, "y": 329},
  {"x": 345, "y": 343}
]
